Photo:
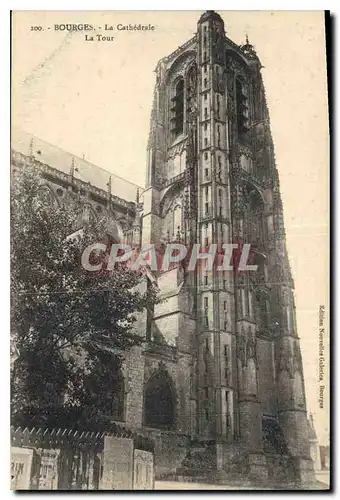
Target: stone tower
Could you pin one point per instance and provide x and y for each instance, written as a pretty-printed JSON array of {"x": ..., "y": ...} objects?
[{"x": 227, "y": 340}]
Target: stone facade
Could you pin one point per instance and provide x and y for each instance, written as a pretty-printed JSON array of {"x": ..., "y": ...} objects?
[
  {"x": 223, "y": 348},
  {"x": 211, "y": 178}
]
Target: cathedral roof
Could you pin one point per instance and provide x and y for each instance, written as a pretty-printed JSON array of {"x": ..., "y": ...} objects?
[{"x": 85, "y": 171}]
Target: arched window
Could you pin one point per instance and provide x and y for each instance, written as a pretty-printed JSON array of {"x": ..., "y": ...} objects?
[
  {"x": 253, "y": 207},
  {"x": 242, "y": 107},
  {"x": 177, "y": 109},
  {"x": 159, "y": 405},
  {"x": 261, "y": 275},
  {"x": 191, "y": 89},
  {"x": 262, "y": 310},
  {"x": 173, "y": 222}
]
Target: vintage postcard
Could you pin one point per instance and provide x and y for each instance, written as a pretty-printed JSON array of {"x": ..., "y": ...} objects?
[{"x": 169, "y": 250}]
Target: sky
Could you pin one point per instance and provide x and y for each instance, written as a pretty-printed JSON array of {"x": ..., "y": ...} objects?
[{"x": 94, "y": 99}]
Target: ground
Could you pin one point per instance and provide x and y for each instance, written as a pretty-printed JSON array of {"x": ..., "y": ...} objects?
[{"x": 176, "y": 485}]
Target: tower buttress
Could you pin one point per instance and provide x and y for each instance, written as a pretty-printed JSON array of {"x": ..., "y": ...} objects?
[
  {"x": 215, "y": 331},
  {"x": 136, "y": 226},
  {"x": 155, "y": 159}
]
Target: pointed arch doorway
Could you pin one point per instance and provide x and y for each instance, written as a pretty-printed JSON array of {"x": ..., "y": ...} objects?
[{"x": 159, "y": 402}]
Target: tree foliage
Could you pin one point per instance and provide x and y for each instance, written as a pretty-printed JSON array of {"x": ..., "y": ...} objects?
[{"x": 69, "y": 326}]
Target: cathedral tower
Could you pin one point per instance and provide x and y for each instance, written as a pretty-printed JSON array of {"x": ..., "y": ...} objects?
[{"x": 235, "y": 362}]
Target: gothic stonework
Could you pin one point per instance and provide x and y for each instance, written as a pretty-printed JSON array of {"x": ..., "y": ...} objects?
[
  {"x": 221, "y": 365},
  {"x": 231, "y": 177}
]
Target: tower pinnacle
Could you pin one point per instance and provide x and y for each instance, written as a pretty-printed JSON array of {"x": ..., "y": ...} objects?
[{"x": 210, "y": 15}]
